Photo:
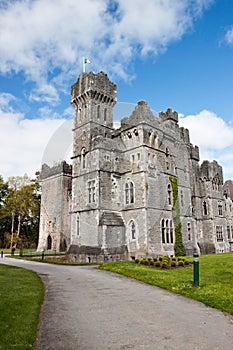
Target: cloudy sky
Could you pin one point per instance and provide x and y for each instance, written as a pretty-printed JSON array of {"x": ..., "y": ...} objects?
[{"x": 171, "y": 53}]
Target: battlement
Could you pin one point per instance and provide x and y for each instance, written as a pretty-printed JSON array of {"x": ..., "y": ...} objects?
[
  {"x": 60, "y": 168},
  {"x": 169, "y": 115},
  {"x": 211, "y": 170},
  {"x": 94, "y": 86}
]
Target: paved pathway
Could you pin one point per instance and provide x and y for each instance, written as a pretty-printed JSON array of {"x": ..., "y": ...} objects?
[{"x": 89, "y": 309}]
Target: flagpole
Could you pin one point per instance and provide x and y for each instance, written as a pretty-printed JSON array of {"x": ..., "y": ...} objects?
[{"x": 83, "y": 65}]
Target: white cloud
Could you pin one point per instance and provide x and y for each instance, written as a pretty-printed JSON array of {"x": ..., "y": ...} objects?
[
  {"x": 23, "y": 141},
  {"x": 213, "y": 136},
  {"x": 42, "y": 37},
  {"x": 229, "y": 36}
]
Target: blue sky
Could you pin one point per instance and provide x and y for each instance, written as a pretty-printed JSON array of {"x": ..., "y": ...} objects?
[{"x": 170, "y": 53}]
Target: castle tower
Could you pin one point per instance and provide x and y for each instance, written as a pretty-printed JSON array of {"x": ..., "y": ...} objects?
[{"x": 93, "y": 97}]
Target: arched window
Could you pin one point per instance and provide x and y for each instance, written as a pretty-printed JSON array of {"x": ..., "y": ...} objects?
[
  {"x": 220, "y": 211},
  {"x": 49, "y": 242},
  {"x": 171, "y": 231},
  {"x": 129, "y": 193},
  {"x": 205, "y": 209},
  {"x": 182, "y": 198},
  {"x": 83, "y": 160},
  {"x": 169, "y": 194},
  {"x": 98, "y": 112},
  {"x": 167, "y": 231},
  {"x": 163, "y": 227},
  {"x": 133, "y": 230},
  {"x": 189, "y": 231}
]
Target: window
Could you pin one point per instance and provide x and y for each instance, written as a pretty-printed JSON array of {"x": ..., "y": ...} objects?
[
  {"x": 132, "y": 230},
  {"x": 228, "y": 232},
  {"x": 49, "y": 242},
  {"x": 77, "y": 225},
  {"x": 98, "y": 112},
  {"x": 83, "y": 158},
  {"x": 91, "y": 191},
  {"x": 163, "y": 228},
  {"x": 189, "y": 231},
  {"x": 219, "y": 233},
  {"x": 205, "y": 209},
  {"x": 182, "y": 198},
  {"x": 105, "y": 114},
  {"x": 220, "y": 212},
  {"x": 169, "y": 193},
  {"x": 167, "y": 231},
  {"x": 129, "y": 193}
]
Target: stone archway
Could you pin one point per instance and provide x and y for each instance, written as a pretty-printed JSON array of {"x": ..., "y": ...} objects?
[{"x": 49, "y": 242}]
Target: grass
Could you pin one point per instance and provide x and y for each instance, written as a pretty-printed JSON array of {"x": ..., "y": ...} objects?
[
  {"x": 216, "y": 279},
  {"x": 21, "y": 297}
]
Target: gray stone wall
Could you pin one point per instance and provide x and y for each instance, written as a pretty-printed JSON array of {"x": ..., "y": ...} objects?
[{"x": 143, "y": 153}]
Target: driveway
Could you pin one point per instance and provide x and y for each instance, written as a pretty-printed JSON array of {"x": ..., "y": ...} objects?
[{"x": 89, "y": 309}]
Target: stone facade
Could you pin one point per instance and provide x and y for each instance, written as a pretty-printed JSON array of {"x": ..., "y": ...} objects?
[{"x": 122, "y": 201}]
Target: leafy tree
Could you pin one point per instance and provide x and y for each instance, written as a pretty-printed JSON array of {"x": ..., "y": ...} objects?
[{"x": 21, "y": 207}]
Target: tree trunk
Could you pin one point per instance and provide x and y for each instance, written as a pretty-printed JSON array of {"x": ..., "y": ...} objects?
[{"x": 12, "y": 228}]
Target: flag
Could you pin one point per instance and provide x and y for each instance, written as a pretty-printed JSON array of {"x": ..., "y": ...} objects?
[{"x": 85, "y": 61}]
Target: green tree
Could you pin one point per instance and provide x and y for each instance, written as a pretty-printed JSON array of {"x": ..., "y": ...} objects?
[
  {"x": 21, "y": 206},
  {"x": 4, "y": 221}
]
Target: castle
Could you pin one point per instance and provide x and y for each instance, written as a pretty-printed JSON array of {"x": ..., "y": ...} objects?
[{"x": 133, "y": 191}]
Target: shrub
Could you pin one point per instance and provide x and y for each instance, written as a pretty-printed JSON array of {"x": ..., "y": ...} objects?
[
  {"x": 180, "y": 263},
  {"x": 143, "y": 261},
  {"x": 173, "y": 259},
  {"x": 186, "y": 262},
  {"x": 164, "y": 265},
  {"x": 180, "y": 258},
  {"x": 155, "y": 259},
  {"x": 137, "y": 261},
  {"x": 160, "y": 258},
  {"x": 157, "y": 263},
  {"x": 173, "y": 263}
]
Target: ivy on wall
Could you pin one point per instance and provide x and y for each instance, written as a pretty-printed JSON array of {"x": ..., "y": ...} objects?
[{"x": 178, "y": 246}]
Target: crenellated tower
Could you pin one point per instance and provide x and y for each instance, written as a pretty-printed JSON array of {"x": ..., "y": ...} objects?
[{"x": 93, "y": 97}]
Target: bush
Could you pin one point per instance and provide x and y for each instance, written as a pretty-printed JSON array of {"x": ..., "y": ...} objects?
[
  {"x": 157, "y": 263},
  {"x": 186, "y": 262},
  {"x": 173, "y": 259},
  {"x": 180, "y": 263},
  {"x": 164, "y": 265},
  {"x": 160, "y": 258},
  {"x": 155, "y": 259},
  {"x": 137, "y": 261},
  {"x": 143, "y": 261},
  {"x": 173, "y": 263}
]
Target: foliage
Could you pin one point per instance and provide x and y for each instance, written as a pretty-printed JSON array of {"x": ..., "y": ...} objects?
[
  {"x": 19, "y": 212},
  {"x": 178, "y": 246},
  {"x": 19, "y": 315},
  {"x": 216, "y": 279}
]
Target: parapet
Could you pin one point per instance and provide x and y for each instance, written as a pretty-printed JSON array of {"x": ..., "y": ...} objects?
[
  {"x": 91, "y": 85},
  {"x": 169, "y": 115},
  {"x": 60, "y": 168},
  {"x": 194, "y": 153},
  {"x": 210, "y": 170}
]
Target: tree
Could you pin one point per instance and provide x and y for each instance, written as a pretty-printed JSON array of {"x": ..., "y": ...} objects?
[
  {"x": 22, "y": 206},
  {"x": 4, "y": 221}
]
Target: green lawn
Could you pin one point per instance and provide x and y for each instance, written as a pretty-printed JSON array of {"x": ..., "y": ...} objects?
[
  {"x": 21, "y": 297},
  {"x": 216, "y": 279}
]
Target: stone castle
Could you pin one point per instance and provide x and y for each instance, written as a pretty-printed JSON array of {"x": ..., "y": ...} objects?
[{"x": 133, "y": 191}]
